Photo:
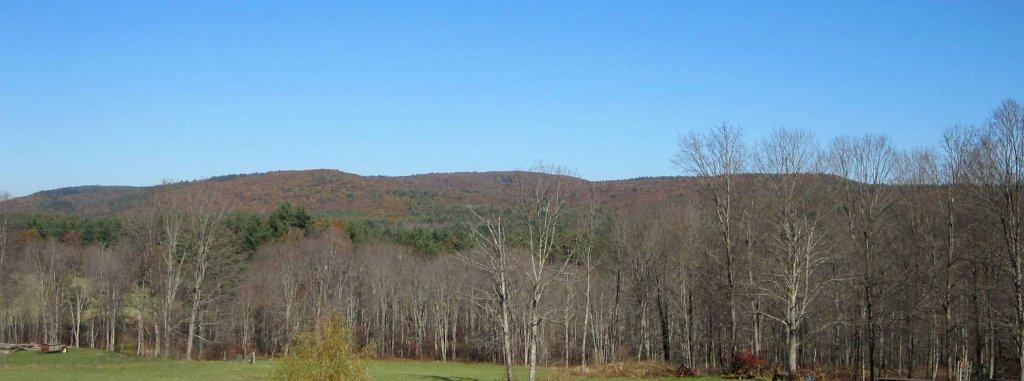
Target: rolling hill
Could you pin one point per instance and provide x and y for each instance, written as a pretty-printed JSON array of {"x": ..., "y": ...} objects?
[{"x": 332, "y": 192}]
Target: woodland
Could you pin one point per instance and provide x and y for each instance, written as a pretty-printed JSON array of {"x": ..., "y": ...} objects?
[{"x": 850, "y": 258}]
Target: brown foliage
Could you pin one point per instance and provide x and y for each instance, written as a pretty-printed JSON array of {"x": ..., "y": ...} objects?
[{"x": 628, "y": 369}]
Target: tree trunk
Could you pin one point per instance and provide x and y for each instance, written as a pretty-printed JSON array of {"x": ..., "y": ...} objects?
[
  {"x": 138, "y": 343},
  {"x": 506, "y": 324},
  {"x": 506, "y": 334},
  {"x": 910, "y": 352},
  {"x": 792, "y": 346},
  {"x": 78, "y": 320},
  {"x": 586, "y": 322},
  {"x": 192, "y": 325},
  {"x": 666, "y": 345},
  {"x": 112, "y": 325},
  {"x": 534, "y": 338},
  {"x": 757, "y": 326},
  {"x": 167, "y": 325},
  {"x": 870, "y": 318},
  {"x": 157, "y": 344}
]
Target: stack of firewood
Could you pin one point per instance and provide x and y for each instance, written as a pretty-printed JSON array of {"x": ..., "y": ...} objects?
[{"x": 6, "y": 348}]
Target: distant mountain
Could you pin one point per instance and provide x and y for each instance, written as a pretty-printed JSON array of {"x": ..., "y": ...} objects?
[{"x": 332, "y": 192}]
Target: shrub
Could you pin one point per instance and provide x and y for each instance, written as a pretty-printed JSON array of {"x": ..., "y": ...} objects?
[
  {"x": 327, "y": 355},
  {"x": 748, "y": 364}
]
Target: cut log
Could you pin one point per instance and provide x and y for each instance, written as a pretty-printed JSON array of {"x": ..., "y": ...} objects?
[
  {"x": 19, "y": 347},
  {"x": 41, "y": 348},
  {"x": 52, "y": 348}
]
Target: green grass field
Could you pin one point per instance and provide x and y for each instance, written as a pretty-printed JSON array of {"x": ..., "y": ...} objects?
[{"x": 83, "y": 364}]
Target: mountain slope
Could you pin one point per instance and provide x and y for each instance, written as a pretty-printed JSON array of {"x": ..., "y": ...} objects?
[{"x": 334, "y": 192}]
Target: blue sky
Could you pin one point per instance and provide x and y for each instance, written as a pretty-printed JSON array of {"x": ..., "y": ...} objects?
[{"x": 136, "y": 92}]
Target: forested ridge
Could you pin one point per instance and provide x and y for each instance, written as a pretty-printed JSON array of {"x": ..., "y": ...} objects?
[
  {"x": 849, "y": 258},
  {"x": 423, "y": 198}
]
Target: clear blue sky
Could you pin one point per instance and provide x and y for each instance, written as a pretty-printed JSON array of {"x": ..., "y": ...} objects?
[{"x": 132, "y": 93}]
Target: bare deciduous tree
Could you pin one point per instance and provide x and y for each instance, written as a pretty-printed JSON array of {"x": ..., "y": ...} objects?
[
  {"x": 492, "y": 255},
  {"x": 998, "y": 172},
  {"x": 719, "y": 157},
  {"x": 799, "y": 261},
  {"x": 873, "y": 262},
  {"x": 583, "y": 248},
  {"x": 4, "y": 230},
  {"x": 540, "y": 208},
  {"x": 866, "y": 166},
  {"x": 208, "y": 245}
]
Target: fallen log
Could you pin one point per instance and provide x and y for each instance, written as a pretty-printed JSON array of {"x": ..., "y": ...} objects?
[
  {"x": 41, "y": 348},
  {"x": 48, "y": 349},
  {"x": 18, "y": 347}
]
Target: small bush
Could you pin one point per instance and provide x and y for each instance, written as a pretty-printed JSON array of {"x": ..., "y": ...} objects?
[
  {"x": 748, "y": 364},
  {"x": 327, "y": 356},
  {"x": 685, "y": 371}
]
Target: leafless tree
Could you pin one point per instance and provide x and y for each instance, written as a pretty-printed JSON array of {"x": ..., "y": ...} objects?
[
  {"x": 799, "y": 261},
  {"x": 493, "y": 256},
  {"x": 866, "y": 166},
  {"x": 645, "y": 240},
  {"x": 160, "y": 231},
  {"x": 541, "y": 208},
  {"x": 583, "y": 251},
  {"x": 279, "y": 272},
  {"x": 208, "y": 245},
  {"x": 719, "y": 157},
  {"x": 998, "y": 171},
  {"x": 108, "y": 268},
  {"x": 873, "y": 261},
  {"x": 4, "y": 229}
]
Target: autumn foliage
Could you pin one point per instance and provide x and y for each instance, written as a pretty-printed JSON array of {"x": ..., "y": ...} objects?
[
  {"x": 746, "y": 363},
  {"x": 327, "y": 355}
]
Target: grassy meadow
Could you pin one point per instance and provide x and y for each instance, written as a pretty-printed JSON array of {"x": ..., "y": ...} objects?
[{"x": 85, "y": 364}]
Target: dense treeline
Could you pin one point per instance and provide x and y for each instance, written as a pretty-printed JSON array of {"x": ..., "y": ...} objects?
[
  {"x": 88, "y": 230},
  {"x": 853, "y": 258}
]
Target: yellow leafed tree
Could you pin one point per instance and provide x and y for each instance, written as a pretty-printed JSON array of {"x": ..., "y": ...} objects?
[{"x": 327, "y": 355}]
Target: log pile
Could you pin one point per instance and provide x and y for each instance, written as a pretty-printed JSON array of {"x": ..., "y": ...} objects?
[{"x": 7, "y": 348}]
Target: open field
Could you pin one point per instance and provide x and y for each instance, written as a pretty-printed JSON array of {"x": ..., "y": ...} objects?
[{"x": 83, "y": 364}]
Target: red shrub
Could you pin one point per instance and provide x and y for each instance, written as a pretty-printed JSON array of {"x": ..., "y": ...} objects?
[{"x": 748, "y": 364}]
